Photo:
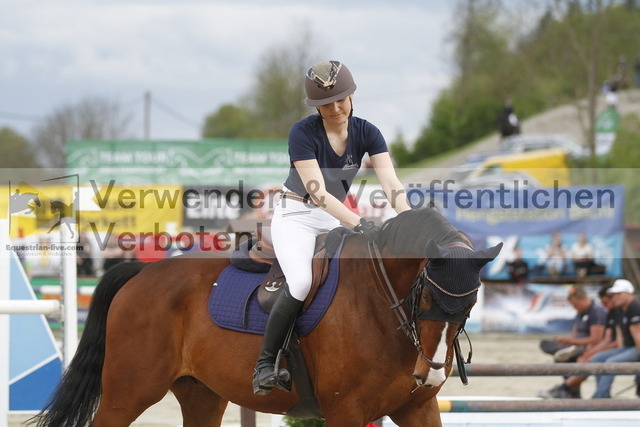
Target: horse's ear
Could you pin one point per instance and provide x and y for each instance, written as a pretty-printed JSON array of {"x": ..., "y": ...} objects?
[
  {"x": 433, "y": 250},
  {"x": 485, "y": 256}
]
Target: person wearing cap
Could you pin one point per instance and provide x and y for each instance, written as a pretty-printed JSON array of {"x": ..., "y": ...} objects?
[
  {"x": 325, "y": 151},
  {"x": 628, "y": 334}
]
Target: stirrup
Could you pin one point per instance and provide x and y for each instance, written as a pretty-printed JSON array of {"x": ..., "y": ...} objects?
[
  {"x": 262, "y": 387},
  {"x": 281, "y": 380},
  {"x": 283, "y": 377}
]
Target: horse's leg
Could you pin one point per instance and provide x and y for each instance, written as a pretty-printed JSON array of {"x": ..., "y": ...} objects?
[
  {"x": 126, "y": 397},
  {"x": 200, "y": 406},
  {"x": 345, "y": 414},
  {"x": 425, "y": 414},
  {"x": 142, "y": 355}
]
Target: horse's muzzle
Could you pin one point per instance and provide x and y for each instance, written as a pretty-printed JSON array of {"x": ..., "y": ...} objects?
[
  {"x": 421, "y": 381},
  {"x": 433, "y": 378}
]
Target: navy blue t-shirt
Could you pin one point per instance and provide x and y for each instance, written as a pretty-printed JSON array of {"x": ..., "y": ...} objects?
[
  {"x": 594, "y": 315},
  {"x": 308, "y": 140}
]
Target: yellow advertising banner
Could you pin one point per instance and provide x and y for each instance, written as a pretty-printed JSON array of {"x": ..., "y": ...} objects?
[
  {"x": 104, "y": 208},
  {"x": 142, "y": 209}
]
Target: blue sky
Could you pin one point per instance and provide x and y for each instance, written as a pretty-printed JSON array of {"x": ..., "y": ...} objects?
[{"x": 194, "y": 56}]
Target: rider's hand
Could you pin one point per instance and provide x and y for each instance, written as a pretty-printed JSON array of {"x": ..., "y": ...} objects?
[{"x": 368, "y": 228}]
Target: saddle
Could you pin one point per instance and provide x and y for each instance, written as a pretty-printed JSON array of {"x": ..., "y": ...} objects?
[{"x": 257, "y": 255}]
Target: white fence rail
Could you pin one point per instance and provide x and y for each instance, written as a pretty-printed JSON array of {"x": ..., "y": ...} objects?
[{"x": 46, "y": 307}]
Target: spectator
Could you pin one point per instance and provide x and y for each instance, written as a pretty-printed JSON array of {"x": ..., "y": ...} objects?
[
  {"x": 628, "y": 335},
  {"x": 582, "y": 256},
  {"x": 556, "y": 254},
  {"x": 570, "y": 388},
  {"x": 611, "y": 95},
  {"x": 638, "y": 72},
  {"x": 518, "y": 268},
  {"x": 588, "y": 327},
  {"x": 508, "y": 123}
]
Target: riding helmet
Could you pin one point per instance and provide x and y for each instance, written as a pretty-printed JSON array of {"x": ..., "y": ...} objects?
[{"x": 327, "y": 82}]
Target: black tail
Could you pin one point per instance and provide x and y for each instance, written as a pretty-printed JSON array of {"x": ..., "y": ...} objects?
[{"x": 76, "y": 398}]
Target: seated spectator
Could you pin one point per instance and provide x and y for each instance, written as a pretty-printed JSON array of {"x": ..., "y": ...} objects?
[
  {"x": 628, "y": 337},
  {"x": 518, "y": 268},
  {"x": 570, "y": 387},
  {"x": 587, "y": 331},
  {"x": 582, "y": 256},
  {"x": 556, "y": 254}
]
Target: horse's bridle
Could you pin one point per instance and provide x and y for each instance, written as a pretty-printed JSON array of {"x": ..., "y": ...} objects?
[{"x": 408, "y": 322}]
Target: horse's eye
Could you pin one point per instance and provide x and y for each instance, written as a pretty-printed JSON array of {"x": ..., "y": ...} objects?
[{"x": 426, "y": 298}]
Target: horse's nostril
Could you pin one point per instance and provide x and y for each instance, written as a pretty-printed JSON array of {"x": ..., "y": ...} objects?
[{"x": 419, "y": 379}]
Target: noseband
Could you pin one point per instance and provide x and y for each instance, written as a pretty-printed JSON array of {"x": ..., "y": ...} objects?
[{"x": 408, "y": 323}]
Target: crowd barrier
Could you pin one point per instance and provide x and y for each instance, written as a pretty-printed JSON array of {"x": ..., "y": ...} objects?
[
  {"x": 538, "y": 369},
  {"x": 543, "y": 405},
  {"x": 539, "y": 405}
]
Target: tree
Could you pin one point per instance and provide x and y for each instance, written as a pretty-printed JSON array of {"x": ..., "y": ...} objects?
[
  {"x": 399, "y": 150},
  {"x": 93, "y": 118},
  {"x": 230, "y": 121},
  {"x": 563, "y": 59},
  {"x": 16, "y": 151},
  {"x": 468, "y": 109},
  {"x": 586, "y": 32},
  {"x": 276, "y": 99}
]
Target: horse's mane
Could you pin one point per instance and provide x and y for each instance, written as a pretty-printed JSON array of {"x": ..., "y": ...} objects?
[{"x": 410, "y": 231}]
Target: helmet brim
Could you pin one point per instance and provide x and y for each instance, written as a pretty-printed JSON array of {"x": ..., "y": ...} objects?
[{"x": 334, "y": 98}]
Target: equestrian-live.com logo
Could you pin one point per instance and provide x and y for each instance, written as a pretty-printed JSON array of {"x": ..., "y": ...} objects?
[{"x": 48, "y": 206}]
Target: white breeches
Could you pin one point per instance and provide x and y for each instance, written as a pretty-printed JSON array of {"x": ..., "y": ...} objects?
[{"x": 294, "y": 228}]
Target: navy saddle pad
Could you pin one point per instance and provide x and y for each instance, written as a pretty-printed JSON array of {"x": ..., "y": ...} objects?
[{"x": 233, "y": 303}]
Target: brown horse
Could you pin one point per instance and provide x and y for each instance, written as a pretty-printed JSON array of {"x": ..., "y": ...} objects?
[{"x": 149, "y": 332}]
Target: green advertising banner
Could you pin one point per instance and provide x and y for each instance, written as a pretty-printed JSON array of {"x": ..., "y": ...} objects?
[
  {"x": 606, "y": 128},
  {"x": 206, "y": 162},
  {"x": 607, "y": 121}
]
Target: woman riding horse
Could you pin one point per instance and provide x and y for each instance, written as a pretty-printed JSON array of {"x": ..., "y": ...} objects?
[{"x": 326, "y": 151}]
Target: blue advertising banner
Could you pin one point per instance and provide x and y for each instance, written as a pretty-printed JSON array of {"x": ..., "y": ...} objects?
[
  {"x": 527, "y": 218},
  {"x": 532, "y": 308}
]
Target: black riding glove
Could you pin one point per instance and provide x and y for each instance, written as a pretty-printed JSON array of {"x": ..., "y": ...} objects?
[{"x": 368, "y": 228}]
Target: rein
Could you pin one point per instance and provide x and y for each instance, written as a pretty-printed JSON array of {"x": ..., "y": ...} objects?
[{"x": 408, "y": 324}]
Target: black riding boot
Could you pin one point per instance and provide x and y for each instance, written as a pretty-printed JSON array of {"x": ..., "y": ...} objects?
[{"x": 283, "y": 314}]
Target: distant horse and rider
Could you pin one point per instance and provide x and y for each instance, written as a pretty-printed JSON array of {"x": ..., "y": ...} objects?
[{"x": 383, "y": 347}]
